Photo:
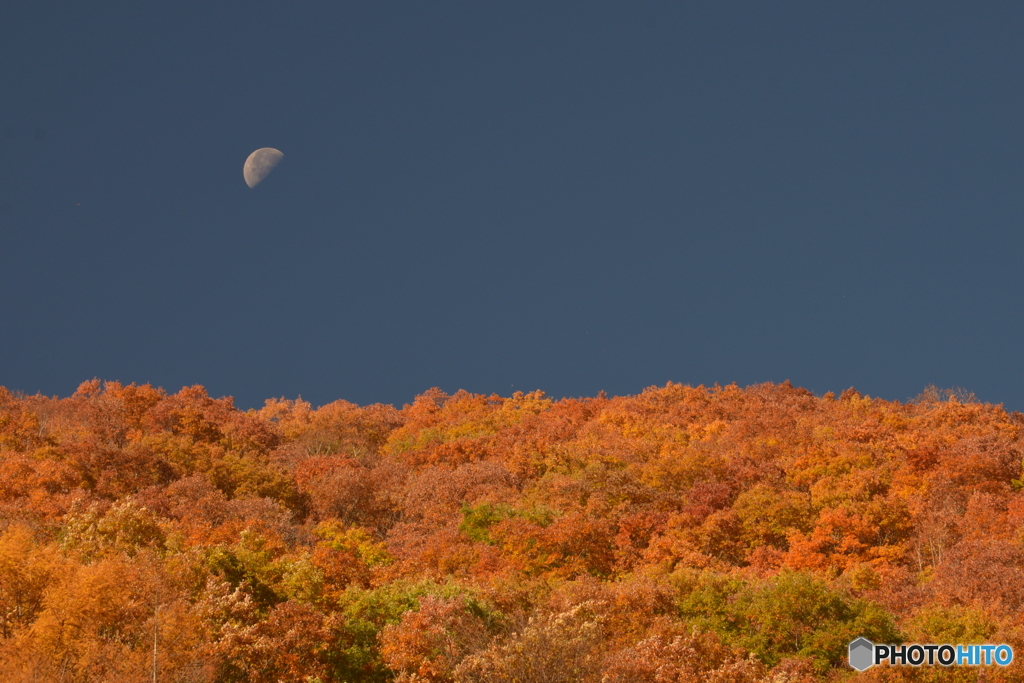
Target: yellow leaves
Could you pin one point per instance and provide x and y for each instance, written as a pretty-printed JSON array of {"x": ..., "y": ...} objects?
[
  {"x": 346, "y": 555},
  {"x": 125, "y": 528},
  {"x": 453, "y": 429},
  {"x": 26, "y": 570},
  {"x": 623, "y": 434},
  {"x": 97, "y": 624},
  {"x": 186, "y": 455},
  {"x": 302, "y": 580},
  {"x": 356, "y": 539},
  {"x": 769, "y": 515},
  {"x": 521, "y": 404},
  {"x": 824, "y": 433},
  {"x": 678, "y": 467},
  {"x": 290, "y": 416},
  {"x": 521, "y": 496},
  {"x": 895, "y": 420},
  {"x": 706, "y": 432},
  {"x": 951, "y": 624},
  {"x": 92, "y": 600}
]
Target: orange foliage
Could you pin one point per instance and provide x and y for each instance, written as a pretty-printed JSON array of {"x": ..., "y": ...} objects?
[{"x": 464, "y": 536}]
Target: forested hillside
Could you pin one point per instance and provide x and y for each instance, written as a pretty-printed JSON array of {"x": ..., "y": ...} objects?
[{"x": 685, "y": 534}]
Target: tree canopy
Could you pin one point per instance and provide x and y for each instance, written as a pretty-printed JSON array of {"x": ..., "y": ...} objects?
[{"x": 684, "y": 534}]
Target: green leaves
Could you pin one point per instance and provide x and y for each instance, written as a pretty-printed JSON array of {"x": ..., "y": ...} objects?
[
  {"x": 792, "y": 614},
  {"x": 477, "y": 521},
  {"x": 460, "y": 535}
]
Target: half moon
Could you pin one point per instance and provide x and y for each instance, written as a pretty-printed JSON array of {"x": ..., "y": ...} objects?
[{"x": 259, "y": 165}]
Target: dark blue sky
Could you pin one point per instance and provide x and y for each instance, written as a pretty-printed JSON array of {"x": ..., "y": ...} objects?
[{"x": 511, "y": 196}]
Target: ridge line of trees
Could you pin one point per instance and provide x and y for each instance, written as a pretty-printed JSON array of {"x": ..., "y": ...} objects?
[{"x": 737, "y": 535}]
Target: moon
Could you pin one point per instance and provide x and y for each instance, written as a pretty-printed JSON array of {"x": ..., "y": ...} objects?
[{"x": 259, "y": 165}]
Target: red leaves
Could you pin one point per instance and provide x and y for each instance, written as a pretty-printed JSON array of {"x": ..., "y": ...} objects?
[
  {"x": 982, "y": 572},
  {"x": 571, "y": 545},
  {"x": 293, "y": 644},
  {"x": 542, "y": 505},
  {"x": 428, "y": 643}
]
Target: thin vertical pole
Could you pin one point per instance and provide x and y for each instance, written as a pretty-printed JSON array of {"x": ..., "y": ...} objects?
[{"x": 156, "y": 611}]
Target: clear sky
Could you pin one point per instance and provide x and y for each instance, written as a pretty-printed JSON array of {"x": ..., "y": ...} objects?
[{"x": 512, "y": 196}]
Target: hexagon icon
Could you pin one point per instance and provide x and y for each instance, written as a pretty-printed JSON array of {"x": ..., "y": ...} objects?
[{"x": 862, "y": 654}]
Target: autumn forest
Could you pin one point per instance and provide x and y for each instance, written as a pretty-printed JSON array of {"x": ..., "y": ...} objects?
[{"x": 685, "y": 534}]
